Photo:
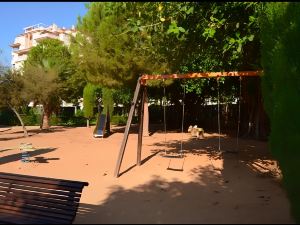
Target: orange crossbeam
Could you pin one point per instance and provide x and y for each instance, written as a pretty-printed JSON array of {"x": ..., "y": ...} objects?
[{"x": 146, "y": 77}]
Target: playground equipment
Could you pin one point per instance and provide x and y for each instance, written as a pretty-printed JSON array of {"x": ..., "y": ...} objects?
[
  {"x": 102, "y": 126},
  {"x": 25, "y": 149},
  {"x": 142, "y": 81}
]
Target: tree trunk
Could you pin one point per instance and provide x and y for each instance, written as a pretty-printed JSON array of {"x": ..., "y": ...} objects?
[
  {"x": 88, "y": 123},
  {"x": 21, "y": 121},
  {"x": 46, "y": 119},
  {"x": 41, "y": 124},
  {"x": 254, "y": 119}
]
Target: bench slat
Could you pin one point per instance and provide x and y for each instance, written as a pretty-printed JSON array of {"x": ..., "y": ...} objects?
[
  {"x": 42, "y": 185},
  {"x": 16, "y": 187},
  {"x": 62, "y": 202},
  {"x": 38, "y": 200},
  {"x": 62, "y": 214},
  {"x": 35, "y": 202},
  {"x": 18, "y": 217},
  {"x": 36, "y": 212},
  {"x": 12, "y": 219},
  {"x": 68, "y": 183},
  {"x": 59, "y": 213}
]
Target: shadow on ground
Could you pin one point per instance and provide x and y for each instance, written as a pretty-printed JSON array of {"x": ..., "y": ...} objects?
[
  {"x": 17, "y": 157},
  {"x": 252, "y": 153},
  {"x": 32, "y": 132},
  {"x": 236, "y": 193}
]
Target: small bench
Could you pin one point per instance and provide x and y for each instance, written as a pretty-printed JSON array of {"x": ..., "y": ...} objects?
[{"x": 38, "y": 200}]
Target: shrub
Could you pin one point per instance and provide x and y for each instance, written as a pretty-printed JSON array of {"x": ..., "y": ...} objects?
[
  {"x": 119, "y": 120},
  {"x": 280, "y": 33}
]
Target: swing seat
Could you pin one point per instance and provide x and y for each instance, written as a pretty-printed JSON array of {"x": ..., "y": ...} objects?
[{"x": 176, "y": 163}]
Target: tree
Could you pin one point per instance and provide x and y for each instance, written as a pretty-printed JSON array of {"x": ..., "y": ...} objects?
[
  {"x": 280, "y": 33},
  {"x": 119, "y": 41},
  {"x": 188, "y": 37},
  {"x": 110, "y": 54},
  {"x": 10, "y": 93},
  {"x": 89, "y": 99},
  {"x": 45, "y": 76}
]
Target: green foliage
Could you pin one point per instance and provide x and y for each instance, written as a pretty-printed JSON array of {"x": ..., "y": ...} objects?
[
  {"x": 280, "y": 34},
  {"x": 46, "y": 74},
  {"x": 108, "y": 100},
  {"x": 79, "y": 113},
  {"x": 32, "y": 117},
  {"x": 10, "y": 89},
  {"x": 7, "y": 117},
  {"x": 123, "y": 96},
  {"x": 119, "y": 120},
  {"x": 89, "y": 100},
  {"x": 109, "y": 51}
]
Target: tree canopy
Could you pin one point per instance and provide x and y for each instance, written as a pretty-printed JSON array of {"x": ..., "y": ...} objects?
[{"x": 46, "y": 74}]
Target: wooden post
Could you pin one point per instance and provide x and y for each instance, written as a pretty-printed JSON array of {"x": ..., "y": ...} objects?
[
  {"x": 129, "y": 120},
  {"x": 141, "y": 121},
  {"x": 146, "y": 115}
]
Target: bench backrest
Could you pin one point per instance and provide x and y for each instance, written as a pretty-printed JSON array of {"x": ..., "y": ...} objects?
[{"x": 30, "y": 199}]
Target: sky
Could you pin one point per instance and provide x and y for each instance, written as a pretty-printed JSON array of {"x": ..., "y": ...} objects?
[{"x": 14, "y": 16}]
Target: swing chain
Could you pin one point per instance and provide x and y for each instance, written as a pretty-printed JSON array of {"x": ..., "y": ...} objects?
[
  {"x": 239, "y": 115},
  {"x": 165, "y": 122},
  {"x": 182, "y": 121},
  {"x": 219, "y": 123}
]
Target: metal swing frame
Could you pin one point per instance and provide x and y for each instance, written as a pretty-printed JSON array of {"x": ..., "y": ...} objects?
[{"x": 141, "y": 84}]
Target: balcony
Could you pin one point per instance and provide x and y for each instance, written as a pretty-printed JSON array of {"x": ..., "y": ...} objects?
[
  {"x": 22, "y": 51},
  {"x": 19, "y": 58},
  {"x": 15, "y": 45},
  {"x": 45, "y": 36}
]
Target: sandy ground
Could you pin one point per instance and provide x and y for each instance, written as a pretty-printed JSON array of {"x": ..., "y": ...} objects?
[{"x": 214, "y": 186}]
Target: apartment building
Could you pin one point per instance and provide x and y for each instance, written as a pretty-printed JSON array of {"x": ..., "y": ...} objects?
[{"x": 32, "y": 36}]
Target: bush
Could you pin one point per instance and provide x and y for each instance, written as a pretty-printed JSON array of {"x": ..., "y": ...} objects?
[
  {"x": 280, "y": 33},
  {"x": 32, "y": 117},
  {"x": 119, "y": 120},
  {"x": 79, "y": 113},
  {"x": 8, "y": 117},
  {"x": 55, "y": 120}
]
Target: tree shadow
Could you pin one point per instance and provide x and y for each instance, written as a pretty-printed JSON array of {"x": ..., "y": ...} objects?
[
  {"x": 43, "y": 159},
  {"x": 5, "y": 129},
  {"x": 142, "y": 163},
  {"x": 17, "y": 157},
  {"x": 237, "y": 192},
  {"x": 5, "y": 150},
  {"x": 134, "y": 128},
  {"x": 211, "y": 197},
  {"x": 33, "y": 132},
  {"x": 247, "y": 151}
]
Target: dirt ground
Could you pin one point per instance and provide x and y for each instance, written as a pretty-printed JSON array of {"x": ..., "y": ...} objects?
[{"x": 214, "y": 186}]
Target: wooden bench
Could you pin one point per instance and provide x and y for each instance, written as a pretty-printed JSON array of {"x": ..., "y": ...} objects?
[{"x": 38, "y": 200}]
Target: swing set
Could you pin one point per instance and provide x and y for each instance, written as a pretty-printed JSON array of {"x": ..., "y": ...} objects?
[{"x": 142, "y": 84}]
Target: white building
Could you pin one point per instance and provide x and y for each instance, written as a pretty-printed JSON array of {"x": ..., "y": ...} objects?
[{"x": 31, "y": 37}]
